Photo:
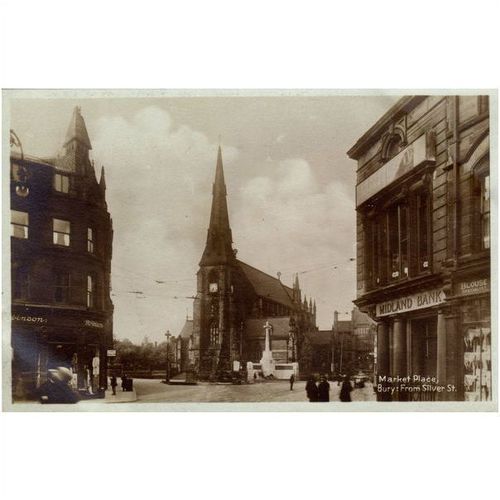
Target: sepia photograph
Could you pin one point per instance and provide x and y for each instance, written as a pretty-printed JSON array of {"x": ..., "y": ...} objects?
[{"x": 254, "y": 250}]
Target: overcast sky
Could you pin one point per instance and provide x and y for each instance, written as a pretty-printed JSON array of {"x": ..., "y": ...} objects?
[{"x": 290, "y": 191}]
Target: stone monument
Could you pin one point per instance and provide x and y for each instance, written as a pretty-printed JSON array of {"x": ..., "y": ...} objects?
[{"x": 267, "y": 361}]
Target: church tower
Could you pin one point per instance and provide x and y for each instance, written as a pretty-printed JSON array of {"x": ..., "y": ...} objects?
[{"x": 214, "y": 316}]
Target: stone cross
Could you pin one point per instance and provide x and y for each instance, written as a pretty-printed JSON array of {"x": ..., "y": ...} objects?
[{"x": 267, "y": 328}]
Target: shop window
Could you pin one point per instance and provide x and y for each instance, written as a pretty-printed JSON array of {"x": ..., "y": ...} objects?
[
  {"x": 214, "y": 334},
  {"x": 62, "y": 287},
  {"x": 21, "y": 284},
  {"x": 19, "y": 224},
  {"x": 61, "y": 183},
  {"x": 91, "y": 291},
  {"x": 61, "y": 231},
  {"x": 90, "y": 240}
]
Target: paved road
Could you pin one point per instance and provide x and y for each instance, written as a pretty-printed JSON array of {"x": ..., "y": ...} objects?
[{"x": 153, "y": 391}]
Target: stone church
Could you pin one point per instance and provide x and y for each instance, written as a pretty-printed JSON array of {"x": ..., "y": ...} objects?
[{"x": 234, "y": 300}]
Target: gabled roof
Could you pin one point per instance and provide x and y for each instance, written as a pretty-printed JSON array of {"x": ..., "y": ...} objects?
[
  {"x": 266, "y": 286},
  {"x": 187, "y": 329}
]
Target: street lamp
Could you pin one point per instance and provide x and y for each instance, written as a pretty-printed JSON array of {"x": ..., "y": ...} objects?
[{"x": 167, "y": 373}]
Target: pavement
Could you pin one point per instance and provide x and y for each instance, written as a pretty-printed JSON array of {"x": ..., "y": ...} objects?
[
  {"x": 120, "y": 397},
  {"x": 154, "y": 391}
]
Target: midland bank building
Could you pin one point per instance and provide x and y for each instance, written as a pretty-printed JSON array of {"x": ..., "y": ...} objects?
[{"x": 423, "y": 247}]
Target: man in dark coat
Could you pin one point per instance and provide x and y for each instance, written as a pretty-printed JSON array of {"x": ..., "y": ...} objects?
[
  {"x": 114, "y": 383},
  {"x": 345, "y": 391},
  {"x": 292, "y": 380},
  {"x": 324, "y": 390},
  {"x": 57, "y": 390},
  {"x": 312, "y": 390}
]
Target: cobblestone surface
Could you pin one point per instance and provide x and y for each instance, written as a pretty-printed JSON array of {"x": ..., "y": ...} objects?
[{"x": 151, "y": 391}]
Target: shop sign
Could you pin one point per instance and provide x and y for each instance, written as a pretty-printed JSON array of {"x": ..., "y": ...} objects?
[
  {"x": 473, "y": 287},
  {"x": 419, "y": 300},
  {"x": 111, "y": 353},
  {"x": 29, "y": 319},
  {"x": 412, "y": 156},
  {"x": 93, "y": 324}
]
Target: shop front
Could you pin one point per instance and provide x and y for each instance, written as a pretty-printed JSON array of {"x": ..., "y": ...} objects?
[
  {"x": 411, "y": 358},
  {"x": 44, "y": 338},
  {"x": 472, "y": 301}
]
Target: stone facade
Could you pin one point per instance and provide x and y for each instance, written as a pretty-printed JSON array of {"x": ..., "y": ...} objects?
[
  {"x": 234, "y": 301},
  {"x": 423, "y": 243},
  {"x": 61, "y": 245}
]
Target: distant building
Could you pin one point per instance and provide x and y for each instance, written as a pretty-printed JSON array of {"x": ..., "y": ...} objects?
[
  {"x": 61, "y": 245},
  {"x": 347, "y": 348},
  {"x": 234, "y": 300},
  {"x": 423, "y": 240}
]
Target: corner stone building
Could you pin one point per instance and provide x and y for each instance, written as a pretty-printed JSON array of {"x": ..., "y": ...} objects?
[
  {"x": 234, "y": 300},
  {"x": 423, "y": 244},
  {"x": 61, "y": 240}
]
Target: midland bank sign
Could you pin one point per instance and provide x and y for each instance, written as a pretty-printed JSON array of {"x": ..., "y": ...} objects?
[{"x": 413, "y": 302}]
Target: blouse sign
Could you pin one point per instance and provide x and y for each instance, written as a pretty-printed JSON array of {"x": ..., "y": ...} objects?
[{"x": 419, "y": 300}]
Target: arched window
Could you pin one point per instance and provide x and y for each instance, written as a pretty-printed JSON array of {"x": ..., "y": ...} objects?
[
  {"x": 214, "y": 334},
  {"x": 482, "y": 204}
]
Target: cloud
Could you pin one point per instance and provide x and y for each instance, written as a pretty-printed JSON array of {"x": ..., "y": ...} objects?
[
  {"x": 158, "y": 180},
  {"x": 289, "y": 222}
]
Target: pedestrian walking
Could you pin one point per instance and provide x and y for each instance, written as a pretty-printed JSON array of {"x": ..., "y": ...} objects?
[
  {"x": 324, "y": 390},
  {"x": 312, "y": 389},
  {"x": 114, "y": 383},
  {"x": 292, "y": 380},
  {"x": 124, "y": 383},
  {"x": 345, "y": 391}
]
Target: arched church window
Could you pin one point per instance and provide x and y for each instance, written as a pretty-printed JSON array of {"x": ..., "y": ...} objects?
[{"x": 214, "y": 334}]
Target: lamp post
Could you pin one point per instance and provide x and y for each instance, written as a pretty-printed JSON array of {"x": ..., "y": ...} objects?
[{"x": 167, "y": 373}]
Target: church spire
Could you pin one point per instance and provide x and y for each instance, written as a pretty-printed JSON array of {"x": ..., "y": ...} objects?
[
  {"x": 77, "y": 131},
  {"x": 218, "y": 249}
]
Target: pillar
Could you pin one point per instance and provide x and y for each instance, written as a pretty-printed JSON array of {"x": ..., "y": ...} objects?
[
  {"x": 399, "y": 339},
  {"x": 400, "y": 356},
  {"x": 441, "y": 349},
  {"x": 454, "y": 355},
  {"x": 382, "y": 359}
]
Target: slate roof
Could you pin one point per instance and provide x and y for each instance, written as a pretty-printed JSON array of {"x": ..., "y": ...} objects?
[
  {"x": 187, "y": 329},
  {"x": 266, "y": 286}
]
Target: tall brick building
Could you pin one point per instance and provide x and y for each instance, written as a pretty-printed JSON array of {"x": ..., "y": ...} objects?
[
  {"x": 61, "y": 243},
  {"x": 234, "y": 300},
  {"x": 423, "y": 243}
]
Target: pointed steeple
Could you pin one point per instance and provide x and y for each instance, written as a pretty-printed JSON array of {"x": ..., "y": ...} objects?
[
  {"x": 218, "y": 249},
  {"x": 310, "y": 305},
  {"x": 77, "y": 131},
  {"x": 102, "y": 181},
  {"x": 296, "y": 289}
]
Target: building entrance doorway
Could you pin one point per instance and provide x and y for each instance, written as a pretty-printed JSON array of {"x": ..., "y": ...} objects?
[{"x": 424, "y": 347}]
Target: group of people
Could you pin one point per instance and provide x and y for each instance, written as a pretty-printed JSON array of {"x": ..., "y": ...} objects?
[{"x": 321, "y": 392}]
